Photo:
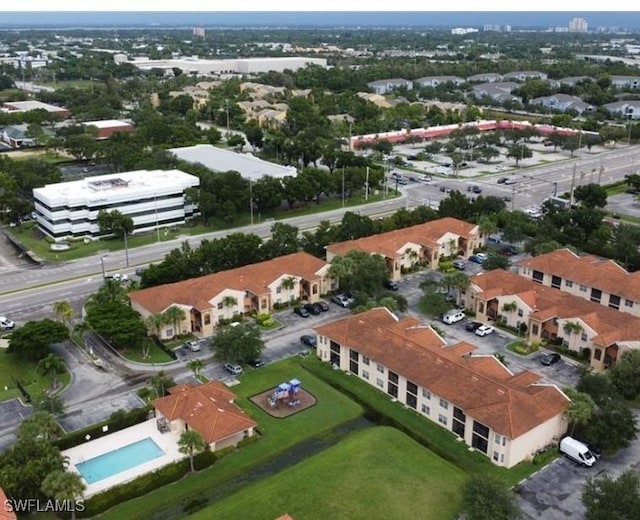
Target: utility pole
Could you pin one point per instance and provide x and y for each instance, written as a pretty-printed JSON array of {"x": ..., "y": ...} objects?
[
  {"x": 343, "y": 186},
  {"x": 366, "y": 186},
  {"x": 629, "y": 137},
  {"x": 251, "y": 199},
  {"x": 126, "y": 249},
  {"x": 226, "y": 102},
  {"x": 600, "y": 172},
  {"x": 573, "y": 180}
]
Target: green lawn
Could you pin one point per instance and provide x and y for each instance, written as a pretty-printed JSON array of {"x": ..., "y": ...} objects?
[
  {"x": 13, "y": 367},
  {"x": 441, "y": 441},
  {"x": 156, "y": 355},
  {"x": 378, "y": 473},
  {"x": 332, "y": 409}
]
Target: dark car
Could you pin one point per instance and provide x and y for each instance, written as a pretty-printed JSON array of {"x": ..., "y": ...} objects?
[
  {"x": 322, "y": 305},
  {"x": 392, "y": 285},
  {"x": 301, "y": 311},
  {"x": 549, "y": 359},
  {"x": 308, "y": 340},
  {"x": 502, "y": 180},
  {"x": 472, "y": 326},
  {"x": 312, "y": 309},
  {"x": 507, "y": 250},
  {"x": 256, "y": 363}
]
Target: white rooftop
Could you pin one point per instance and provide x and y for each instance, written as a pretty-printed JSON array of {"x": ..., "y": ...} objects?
[
  {"x": 218, "y": 159},
  {"x": 107, "y": 123},
  {"x": 25, "y": 106},
  {"x": 121, "y": 186}
]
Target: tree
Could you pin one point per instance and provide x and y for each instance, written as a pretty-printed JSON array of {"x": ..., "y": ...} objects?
[
  {"x": 360, "y": 272},
  {"x": 284, "y": 240},
  {"x": 49, "y": 402},
  {"x": 160, "y": 383},
  {"x": 64, "y": 486},
  {"x": 625, "y": 375},
  {"x": 580, "y": 410},
  {"x": 175, "y": 315},
  {"x": 39, "y": 425},
  {"x": 354, "y": 226},
  {"x": 236, "y": 141},
  {"x": 606, "y": 497},
  {"x": 519, "y": 152},
  {"x": 237, "y": 344},
  {"x": 51, "y": 366},
  {"x": 591, "y": 195},
  {"x": 64, "y": 311},
  {"x": 571, "y": 144},
  {"x": 196, "y": 365},
  {"x": 254, "y": 134},
  {"x": 495, "y": 261},
  {"x": 612, "y": 427},
  {"x": 32, "y": 340},
  {"x": 114, "y": 223},
  {"x": 191, "y": 443},
  {"x": 486, "y": 497},
  {"x": 456, "y": 280}
]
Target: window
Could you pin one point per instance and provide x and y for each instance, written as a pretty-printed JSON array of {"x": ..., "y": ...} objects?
[
  {"x": 538, "y": 276},
  {"x": 596, "y": 295},
  {"x": 392, "y": 389},
  {"x": 534, "y": 329},
  {"x": 380, "y": 383},
  {"x": 278, "y": 289},
  {"x": 628, "y": 303},
  {"x": 220, "y": 306},
  {"x": 412, "y": 400},
  {"x": 365, "y": 360},
  {"x": 498, "y": 438},
  {"x": 353, "y": 355},
  {"x": 502, "y": 458},
  {"x": 495, "y": 456},
  {"x": 444, "y": 404},
  {"x": 556, "y": 281},
  {"x": 583, "y": 288},
  {"x": 412, "y": 388},
  {"x": 263, "y": 304},
  {"x": 520, "y": 313},
  {"x": 481, "y": 308},
  {"x": 442, "y": 419},
  {"x": 426, "y": 410},
  {"x": 598, "y": 354},
  {"x": 393, "y": 377},
  {"x": 380, "y": 368},
  {"x": 207, "y": 319},
  {"x": 365, "y": 374},
  {"x": 583, "y": 337},
  {"x": 568, "y": 283},
  {"x": 314, "y": 289},
  {"x": 426, "y": 394}
]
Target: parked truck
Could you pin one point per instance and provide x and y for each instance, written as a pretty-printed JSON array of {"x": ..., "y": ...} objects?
[{"x": 577, "y": 451}]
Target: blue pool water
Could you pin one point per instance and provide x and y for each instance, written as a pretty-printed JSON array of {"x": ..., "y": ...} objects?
[{"x": 117, "y": 461}]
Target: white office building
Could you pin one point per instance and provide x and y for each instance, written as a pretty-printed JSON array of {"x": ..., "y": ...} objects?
[{"x": 153, "y": 199}]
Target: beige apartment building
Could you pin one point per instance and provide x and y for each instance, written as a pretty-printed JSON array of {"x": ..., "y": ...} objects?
[
  {"x": 425, "y": 244},
  {"x": 259, "y": 288},
  {"x": 505, "y": 416},
  {"x": 595, "y": 279},
  {"x": 544, "y": 313}
]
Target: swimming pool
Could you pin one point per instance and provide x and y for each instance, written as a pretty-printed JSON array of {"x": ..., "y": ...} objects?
[{"x": 117, "y": 461}]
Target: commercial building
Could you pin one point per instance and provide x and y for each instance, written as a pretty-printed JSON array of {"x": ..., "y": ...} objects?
[
  {"x": 601, "y": 334},
  {"x": 384, "y": 86},
  {"x": 109, "y": 127},
  {"x": 262, "y": 287},
  {"x": 27, "y": 106},
  {"x": 200, "y": 67},
  {"x": 219, "y": 160},
  {"x": 424, "y": 244},
  {"x": 153, "y": 199},
  {"x": 505, "y": 416},
  {"x": 596, "y": 279}
]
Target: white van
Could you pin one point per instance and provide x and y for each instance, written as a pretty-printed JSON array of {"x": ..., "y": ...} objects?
[
  {"x": 577, "y": 451},
  {"x": 453, "y": 316}
]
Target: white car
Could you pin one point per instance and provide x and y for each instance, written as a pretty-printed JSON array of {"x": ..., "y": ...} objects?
[
  {"x": 485, "y": 330},
  {"x": 510, "y": 180},
  {"x": 6, "y": 323},
  {"x": 453, "y": 316}
]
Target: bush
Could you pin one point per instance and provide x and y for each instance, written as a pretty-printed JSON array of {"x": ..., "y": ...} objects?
[{"x": 261, "y": 319}]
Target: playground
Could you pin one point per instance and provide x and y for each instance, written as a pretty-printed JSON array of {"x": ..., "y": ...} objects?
[{"x": 284, "y": 400}]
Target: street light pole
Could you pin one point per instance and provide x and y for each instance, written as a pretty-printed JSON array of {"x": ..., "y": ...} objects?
[
  {"x": 343, "y": 186},
  {"x": 155, "y": 199},
  {"x": 126, "y": 249},
  {"x": 104, "y": 272},
  {"x": 226, "y": 102},
  {"x": 366, "y": 186},
  {"x": 251, "y": 199}
]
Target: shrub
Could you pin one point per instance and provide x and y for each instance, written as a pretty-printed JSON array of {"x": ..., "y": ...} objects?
[{"x": 262, "y": 318}]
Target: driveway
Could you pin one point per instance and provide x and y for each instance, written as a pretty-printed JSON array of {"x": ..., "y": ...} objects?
[{"x": 554, "y": 493}]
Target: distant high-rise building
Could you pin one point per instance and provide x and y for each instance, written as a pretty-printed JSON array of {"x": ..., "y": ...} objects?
[
  {"x": 507, "y": 28},
  {"x": 578, "y": 25},
  {"x": 198, "y": 31},
  {"x": 491, "y": 27}
]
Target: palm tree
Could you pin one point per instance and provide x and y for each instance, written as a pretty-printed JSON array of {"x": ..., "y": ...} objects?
[
  {"x": 39, "y": 424},
  {"x": 161, "y": 382},
  {"x": 509, "y": 307},
  {"x": 581, "y": 408},
  {"x": 63, "y": 310},
  {"x": 195, "y": 365},
  {"x": 229, "y": 301},
  {"x": 155, "y": 322},
  {"x": 64, "y": 486},
  {"x": 288, "y": 284},
  {"x": 191, "y": 443},
  {"x": 572, "y": 327},
  {"x": 174, "y": 315},
  {"x": 51, "y": 366},
  {"x": 487, "y": 225}
]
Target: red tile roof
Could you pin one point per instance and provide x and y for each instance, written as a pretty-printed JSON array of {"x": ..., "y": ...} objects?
[
  {"x": 588, "y": 270},
  {"x": 197, "y": 292},
  {"x": 5, "y": 513},
  {"x": 207, "y": 408},
  {"x": 480, "y": 385},
  {"x": 609, "y": 324},
  {"x": 389, "y": 243}
]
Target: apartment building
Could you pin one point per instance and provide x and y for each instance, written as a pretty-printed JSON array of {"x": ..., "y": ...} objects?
[
  {"x": 424, "y": 244},
  {"x": 596, "y": 279},
  {"x": 600, "y": 333},
  {"x": 503, "y": 415},
  {"x": 208, "y": 300}
]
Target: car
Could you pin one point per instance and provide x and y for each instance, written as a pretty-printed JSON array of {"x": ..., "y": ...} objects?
[
  {"x": 508, "y": 250},
  {"x": 140, "y": 270},
  {"x": 256, "y": 363},
  {"x": 478, "y": 258},
  {"x": 510, "y": 180},
  {"x": 322, "y": 305},
  {"x": 484, "y": 330},
  {"x": 193, "y": 346},
  {"x": 501, "y": 167},
  {"x": 232, "y": 368},
  {"x": 550, "y": 358},
  {"x": 502, "y": 180},
  {"x": 301, "y": 311},
  {"x": 452, "y": 316},
  {"x": 312, "y": 309},
  {"x": 308, "y": 340},
  {"x": 460, "y": 264},
  {"x": 340, "y": 299},
  {"x": 6, "y": 323},
  {"x": 472, "y": 326},
  {"x": 391, "y": 284}
]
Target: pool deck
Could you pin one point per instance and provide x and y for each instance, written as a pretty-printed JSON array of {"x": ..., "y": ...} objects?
[{"x": 168, "y": 442}]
